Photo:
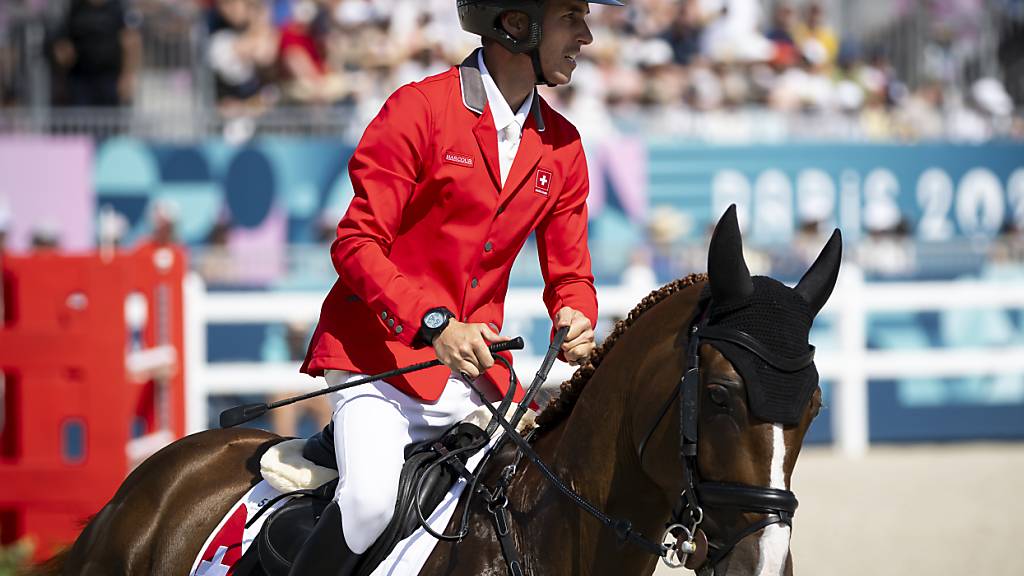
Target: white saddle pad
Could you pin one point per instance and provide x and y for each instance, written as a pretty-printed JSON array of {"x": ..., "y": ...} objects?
[
  {"x": 232, "y": 538},
  {"x": 284, "y": 470}
]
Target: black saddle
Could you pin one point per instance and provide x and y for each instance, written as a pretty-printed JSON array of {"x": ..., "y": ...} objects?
[{"x": 429, "y": 465}]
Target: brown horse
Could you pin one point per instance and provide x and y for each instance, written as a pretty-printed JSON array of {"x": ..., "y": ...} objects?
[{"x": 613, "y": 435}]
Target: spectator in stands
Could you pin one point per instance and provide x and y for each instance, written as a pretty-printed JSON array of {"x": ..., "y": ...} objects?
[
  {"x": 639, "y": 276},
  {"x": 1010, "y": 246},
  {"x": 665, "y": 227},
  {"x": 994, "y": 102},
  {"x": 98, "y": 48},
  {"x": 425, "y": 61},
  {"x": 780, "y": 32},
  {"x": 888, "y": 249},
  {"x": 111, "y": 226},
  {"x": 808, "y": 87},
  {"x": 217, "y": 265},
  {"x": 302, "y": 54},
  {"x": 816, "y": 35},
  {"x": 45, "y": 237},
  {"x": 242, "y": 51},
  {"x": 919, "y": 116},
  {"x": 734, "y": 35},
  {"x": 163, "y": 220},
  {"x": 684, "y": 33}
]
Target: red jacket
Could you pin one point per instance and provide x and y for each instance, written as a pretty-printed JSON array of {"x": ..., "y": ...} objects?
[{"x": 431, "y": 225}]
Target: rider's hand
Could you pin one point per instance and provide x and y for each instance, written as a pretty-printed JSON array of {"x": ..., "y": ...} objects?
[
  {"x": 579, "y": 341},
  {"x": 463, "y": 347}
]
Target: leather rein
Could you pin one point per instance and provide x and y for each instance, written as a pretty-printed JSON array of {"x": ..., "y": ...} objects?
[{"x": 683, "y": 538}]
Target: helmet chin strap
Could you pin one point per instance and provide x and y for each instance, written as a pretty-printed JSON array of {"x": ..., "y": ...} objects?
[{"x": 538, "y": 70}]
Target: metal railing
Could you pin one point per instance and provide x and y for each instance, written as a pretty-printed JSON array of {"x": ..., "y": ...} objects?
[{"x": 185, "y": 124}]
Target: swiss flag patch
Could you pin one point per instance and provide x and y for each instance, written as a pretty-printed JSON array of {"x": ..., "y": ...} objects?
[
  {"x": 542, "y": 184},
  {"x": 226, "y": 548}
]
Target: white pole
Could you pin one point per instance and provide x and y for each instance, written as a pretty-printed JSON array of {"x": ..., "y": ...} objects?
[
  {"x": 195, "y": 354},
  {"x": 850, "y": 422}
]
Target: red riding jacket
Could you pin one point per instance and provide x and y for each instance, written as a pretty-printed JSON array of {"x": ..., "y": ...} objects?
[{"x": 431, "y": 225}]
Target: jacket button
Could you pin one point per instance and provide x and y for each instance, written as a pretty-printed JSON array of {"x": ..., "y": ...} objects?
[
  {"x": 501, "y": 209},
  {"x": 383, "y": 315},
  {"x": 398, "y": 329},
  {"x": 488, "y": 247},
  {"x": 474, "y": 283},
  {"x": 391, "y": 322}
]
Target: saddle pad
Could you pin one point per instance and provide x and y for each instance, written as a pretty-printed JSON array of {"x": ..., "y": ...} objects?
[
  {"x": 409, "y": 555},
  {"x": 230, "y": 540}
]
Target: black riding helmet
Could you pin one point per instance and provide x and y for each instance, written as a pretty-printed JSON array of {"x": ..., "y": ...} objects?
[{"x": 483, "y": 17}]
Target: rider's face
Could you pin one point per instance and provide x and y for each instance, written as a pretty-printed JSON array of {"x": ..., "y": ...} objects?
[{"x": 565, "y": 34}]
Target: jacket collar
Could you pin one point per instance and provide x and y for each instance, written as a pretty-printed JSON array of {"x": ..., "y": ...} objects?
[{"x": 474, "y": 96}]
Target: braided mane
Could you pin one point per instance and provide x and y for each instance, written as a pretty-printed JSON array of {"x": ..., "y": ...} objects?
[{"x": 561, "y": 405}]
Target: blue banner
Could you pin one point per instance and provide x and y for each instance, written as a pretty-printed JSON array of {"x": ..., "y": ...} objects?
[{"x": 935, "y": 192}]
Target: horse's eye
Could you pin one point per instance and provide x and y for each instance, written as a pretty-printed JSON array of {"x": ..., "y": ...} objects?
[{"x": 719, "y": 395}]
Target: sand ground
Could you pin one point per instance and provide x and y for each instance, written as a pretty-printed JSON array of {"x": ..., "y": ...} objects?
[{"x": 929, "y": 510}]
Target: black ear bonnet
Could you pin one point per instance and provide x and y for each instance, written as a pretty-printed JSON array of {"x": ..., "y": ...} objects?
[{"x": 779, "y": 320}]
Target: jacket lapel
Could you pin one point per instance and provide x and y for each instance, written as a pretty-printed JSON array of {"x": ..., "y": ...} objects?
[
  {"x": 474, "y": 97},
  {"x": 487, "y": 139}
]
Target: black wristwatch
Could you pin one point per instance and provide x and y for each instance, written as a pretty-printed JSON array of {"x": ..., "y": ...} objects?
[{"x": 434, "y": 322}]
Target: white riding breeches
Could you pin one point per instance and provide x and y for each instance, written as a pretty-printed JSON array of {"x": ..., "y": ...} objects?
[{"x": 372, "y": 425}]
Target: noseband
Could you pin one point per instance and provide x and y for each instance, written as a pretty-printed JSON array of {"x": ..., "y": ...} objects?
[{"x": 778, "y": 506}]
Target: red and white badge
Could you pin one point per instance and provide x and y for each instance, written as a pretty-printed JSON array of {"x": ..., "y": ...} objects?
[
  {"x": 542, "y": 184},
  {"x": 458, "y": 159}
]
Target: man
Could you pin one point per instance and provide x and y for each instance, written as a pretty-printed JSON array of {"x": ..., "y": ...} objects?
[
  {"x": 98, "y": 46},
  {"x": 450, "y": 179}
]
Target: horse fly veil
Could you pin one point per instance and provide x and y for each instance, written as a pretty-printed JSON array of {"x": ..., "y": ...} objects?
[{"x": 772, "y": 322}]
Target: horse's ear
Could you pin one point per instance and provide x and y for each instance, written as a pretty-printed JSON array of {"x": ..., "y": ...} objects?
[
  {"x": 727, "y": 271},
  {"x": 817, "y": 284}
]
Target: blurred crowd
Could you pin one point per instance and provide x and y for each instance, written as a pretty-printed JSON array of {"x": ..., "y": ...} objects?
[
  {"x": 681, "y": 66},
  {"x": 656, "y": 63}
]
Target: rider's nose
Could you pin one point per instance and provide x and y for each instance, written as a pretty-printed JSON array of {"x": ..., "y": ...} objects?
[{"x": 586, "y": 37}]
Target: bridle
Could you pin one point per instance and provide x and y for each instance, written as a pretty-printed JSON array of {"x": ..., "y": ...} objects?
[
  {"x": 683, "y": 536},
  {"x": 691, "y": 546}
]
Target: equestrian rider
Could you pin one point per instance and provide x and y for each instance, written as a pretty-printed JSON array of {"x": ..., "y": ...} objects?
[{"x": 450, "y": 178}]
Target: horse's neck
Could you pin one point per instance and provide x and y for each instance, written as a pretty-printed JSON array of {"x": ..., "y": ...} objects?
[
  {"x": 594, "y": 442},
  {"x": 595, "y": 449},
  {"x": 634, "y": 379},
  {"x": 590, "y": 452}
]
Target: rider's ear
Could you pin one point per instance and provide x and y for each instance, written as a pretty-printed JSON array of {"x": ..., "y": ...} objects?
[
  {"x": 817, "y": 284},
  {"x": 727, "y": 271},
  {"x": 515, "y": 23}
]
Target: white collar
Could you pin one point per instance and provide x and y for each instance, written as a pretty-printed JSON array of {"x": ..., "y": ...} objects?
[{"x": 500, "y": 110}]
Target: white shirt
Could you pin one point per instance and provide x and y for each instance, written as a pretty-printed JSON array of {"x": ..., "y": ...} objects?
[{"x": 509, "y": 125}]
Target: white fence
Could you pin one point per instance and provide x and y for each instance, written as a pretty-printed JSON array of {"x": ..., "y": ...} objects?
[{"x": 850, "y": 365}]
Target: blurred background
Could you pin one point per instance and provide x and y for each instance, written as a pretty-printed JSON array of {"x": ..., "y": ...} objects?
[{"x": 213, "y": 135}]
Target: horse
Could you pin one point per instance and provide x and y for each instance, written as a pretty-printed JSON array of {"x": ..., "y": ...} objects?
[{"x": 711, "y": 453}]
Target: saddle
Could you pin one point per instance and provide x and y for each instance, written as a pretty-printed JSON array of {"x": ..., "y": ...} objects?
[{"x": 433, "y": 466}]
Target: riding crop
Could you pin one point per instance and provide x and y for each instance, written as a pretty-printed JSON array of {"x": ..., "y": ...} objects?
[{"x": 246, "y": 412}]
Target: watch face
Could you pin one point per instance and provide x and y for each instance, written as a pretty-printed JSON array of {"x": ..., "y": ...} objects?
[{"x": 433, "y": 320}]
